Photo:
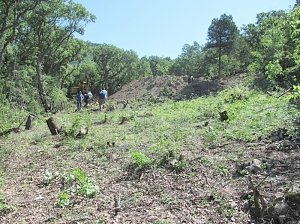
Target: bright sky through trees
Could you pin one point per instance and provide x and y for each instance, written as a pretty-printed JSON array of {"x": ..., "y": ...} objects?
[{"x": 162, "y": 27}]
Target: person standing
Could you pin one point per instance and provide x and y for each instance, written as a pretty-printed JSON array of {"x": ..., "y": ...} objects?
[
  {"x": 79, "y": 99},
  {"x": 88, "y": 97},
  {"x": 102, "y": 98}
]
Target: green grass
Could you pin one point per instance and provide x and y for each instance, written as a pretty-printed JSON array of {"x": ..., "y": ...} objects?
[
  {"x": 179, "y": 125},
  {"x": 175, "y": 125}
]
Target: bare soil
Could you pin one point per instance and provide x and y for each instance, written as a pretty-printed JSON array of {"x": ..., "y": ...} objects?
[{"x": 171, "y": 86}]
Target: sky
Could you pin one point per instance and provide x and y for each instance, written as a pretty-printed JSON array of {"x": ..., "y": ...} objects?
[{"x": 162, "y": 27}]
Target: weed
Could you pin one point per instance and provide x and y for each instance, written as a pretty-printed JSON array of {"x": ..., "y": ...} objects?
[
  {"x": 166, "y": 199},
  {"x": 76, "y": 122},
  {"x": 100, "y": 221},
  {"x": 126, "y": 118},
  {"x": 223, "y": 206},
  {"x": 4, "y": 207},
  {"x": 205, "y": 160},
  {"x": 63, "y": 200},
  {"x": 85, "y": 187},
  {"x": 133, "y": 198},
  {"x": 170, "y": 160},
  {"x": 221, "y": 168},
  {"x": 180, "y": 165},
  {"x": 48, "y": 177},
  {"x": 140, "y": 160}
]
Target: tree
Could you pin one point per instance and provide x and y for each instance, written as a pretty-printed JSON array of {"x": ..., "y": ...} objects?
[
  {"x": 160, "y": 66},
  {"x": 188, "y": 63},
  {"x": 115, "y": 66},
  {"x": 11, "y": 18},
  {"x": 143, "y": 68},
  {"x": 270, "y": 43},
  {"x": 47, "y": 36},
  {"x": 222, "y": 35}
]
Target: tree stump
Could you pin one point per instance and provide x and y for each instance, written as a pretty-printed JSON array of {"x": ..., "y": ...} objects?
[
  {"x": 29, "y": 120},
  {"x": 53, "y": 126},
  {"x": 223, "y": 116}
]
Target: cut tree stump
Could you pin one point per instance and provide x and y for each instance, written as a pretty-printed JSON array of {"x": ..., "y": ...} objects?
[
  {"x": 53, "y": 126},
  {"x": 29, "y": 120}
]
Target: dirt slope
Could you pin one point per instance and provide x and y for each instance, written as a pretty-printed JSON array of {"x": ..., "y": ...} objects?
[{"x": 170, "y": 86}]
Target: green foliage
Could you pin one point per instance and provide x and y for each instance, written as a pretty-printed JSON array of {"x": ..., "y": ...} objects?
[
  {"x": 76, "y": 180},
  {"x": 222, "y": 205},
  {"x": 159, "y": 66},
  {"x": 171, "y": 160},
  {"x": 10, "y": 117},
  {"x": 140, "y": 160},
  {"x": 84, "y": 186},
  {"x": 166, "y": 199},
  {"x": 41, "y": 50},
  {"x": 221, "y": 168},
  {"x": 4, "y": 207},
  {"x": 72, "y": 126},
  {"x": 57, "y": 97},
  {"x": 115, "y": 66},
  {"x": 222, "y": 35},
  {"x": 188, "y": 62},
  {"x": 275, "y": 46},
  {"x": 63, "y": 200}
]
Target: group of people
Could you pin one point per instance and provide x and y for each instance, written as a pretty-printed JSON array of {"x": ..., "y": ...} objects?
[{"x": 88, "y": 97}]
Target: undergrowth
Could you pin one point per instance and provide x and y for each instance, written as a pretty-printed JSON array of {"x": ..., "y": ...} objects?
[{"x": 154, "y": 135}]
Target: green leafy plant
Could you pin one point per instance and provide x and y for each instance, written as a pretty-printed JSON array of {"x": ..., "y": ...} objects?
[
  {"x": 4, "y": 207},
  {"x": 48, "y": 177},
  {"x": 140, "y": 160},
  {"x": 166, "y": 199},
  {"x": 221, "y": 168},
  {"x": 222, "y": 205},
  {"x": 172, "y": 161},
  {"x": 63, "y": 200},
  {"x": 86, "y": 187}
]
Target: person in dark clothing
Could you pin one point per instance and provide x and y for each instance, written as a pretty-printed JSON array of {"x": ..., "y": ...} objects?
[{"x": 79, "y": 99}]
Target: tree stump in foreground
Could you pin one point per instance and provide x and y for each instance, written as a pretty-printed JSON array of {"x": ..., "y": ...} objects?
[
  {"x": 53, "y": 126},
  {"x": 29, "y": 120}
]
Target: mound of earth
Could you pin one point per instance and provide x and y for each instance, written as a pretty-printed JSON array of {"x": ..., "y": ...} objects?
[{"x": 169, "y": 86}]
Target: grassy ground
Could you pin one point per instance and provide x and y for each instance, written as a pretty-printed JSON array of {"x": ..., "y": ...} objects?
[{"x": 166, "y": 162}]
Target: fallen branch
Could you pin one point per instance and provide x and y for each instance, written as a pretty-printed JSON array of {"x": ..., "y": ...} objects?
[
  {"x": 288, "y": 90},
  {"x": 117, "y": 204},
  {"x": 15, "y": 130},
  {"x": 260, "y": 204}
]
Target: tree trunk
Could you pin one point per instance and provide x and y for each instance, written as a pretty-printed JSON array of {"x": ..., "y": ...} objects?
[
  {"x": 219, "y": 61},
  {"x": 53, "y": 126},
  {"x": 40, "y": 86}
]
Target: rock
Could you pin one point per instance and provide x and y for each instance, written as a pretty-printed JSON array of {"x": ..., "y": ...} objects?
[
  {"x": 255, "y": 166},
  {"x": 281, "y": 208}
]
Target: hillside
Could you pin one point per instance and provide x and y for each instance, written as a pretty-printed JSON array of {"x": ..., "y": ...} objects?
[
  {"x": 166, "y": 163},
  {"x": 171, "y": 86}
]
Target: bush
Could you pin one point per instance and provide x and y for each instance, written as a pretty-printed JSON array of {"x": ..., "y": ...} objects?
[{"x": 140, "y": 160}]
